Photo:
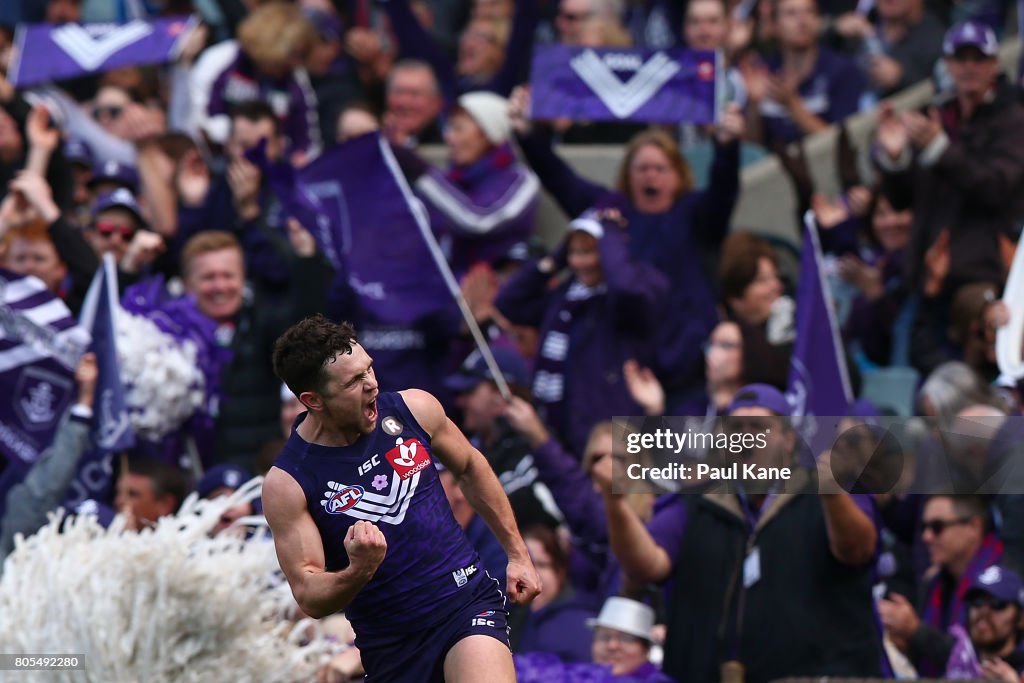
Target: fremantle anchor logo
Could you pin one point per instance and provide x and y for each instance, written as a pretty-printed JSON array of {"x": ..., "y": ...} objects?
[
  {"x": 623, "y": 99},
  {"x": 91, "y": 51}
]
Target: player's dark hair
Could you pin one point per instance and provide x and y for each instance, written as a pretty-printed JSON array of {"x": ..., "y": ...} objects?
[{"x": 301, "y": 354}]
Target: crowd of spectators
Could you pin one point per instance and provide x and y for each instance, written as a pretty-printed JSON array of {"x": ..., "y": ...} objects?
[{"x": 652, "y": 301}]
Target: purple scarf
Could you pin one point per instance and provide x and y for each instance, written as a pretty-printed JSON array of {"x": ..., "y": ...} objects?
[
  {"x": 496, "y": 159},
  {"x": 990, "y": 552}
]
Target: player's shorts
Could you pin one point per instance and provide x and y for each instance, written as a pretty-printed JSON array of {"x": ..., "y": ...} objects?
[{"x": 419, "y": 657}]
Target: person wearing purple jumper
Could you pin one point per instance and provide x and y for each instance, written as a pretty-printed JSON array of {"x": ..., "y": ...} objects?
[
  {"x": 361, "y": 522},
  {"x": 671, "y": 225}
]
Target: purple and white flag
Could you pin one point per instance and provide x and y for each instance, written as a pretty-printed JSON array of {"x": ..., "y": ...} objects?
[
  {"x": 40, "y": 345},
  {"x": 111, "y": 429},
  {"x": 51, "y": 52},
  {"x": 356, "y": 202},
  {"x": 111, "y": 426},
  {"x": 625, "y": 84},
  {"x": 818, "y": 382}
]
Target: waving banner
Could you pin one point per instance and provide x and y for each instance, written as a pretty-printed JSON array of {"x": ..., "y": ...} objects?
[
  {"x": 628, "y": 84},
  {"x": 49, "y": 52},
  {"x": 818, "y": 382},
  {"x": 40, "y": 345}
]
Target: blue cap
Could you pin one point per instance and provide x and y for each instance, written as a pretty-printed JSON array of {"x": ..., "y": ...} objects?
[
  {"x": 1000, "y": 583},
  {"x": 77, "y": 151},
  {"x": 116, "y": 172},
  {"x": 760, "y": 396},
  {"x": 119, "y": 198},
  {"x": 222, "y": 476},
  {"x": 971, "y": 34},
  {"x": 474, "y": 370}
]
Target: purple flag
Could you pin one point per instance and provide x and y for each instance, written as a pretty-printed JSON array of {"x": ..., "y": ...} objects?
[
  {"x": 50, "y": 52},
  {"x": 111, "y": 426},
  {"x": 111, "y": 429},
  {"x": 40, "y": 345},
  {"x": 625, "y": 84},
  {"x": 355, "y": 201},
  {"x": 818, "y": 383}
]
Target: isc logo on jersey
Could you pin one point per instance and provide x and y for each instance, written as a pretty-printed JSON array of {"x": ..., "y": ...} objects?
[
  {"x": 408, "y": 457},
  {"x": 337, "y": 502}
]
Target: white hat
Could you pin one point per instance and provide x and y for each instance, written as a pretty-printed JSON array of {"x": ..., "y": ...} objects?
[
  {"x": 588, "y": 223},
  {"x": 287, "y": 394},
  {"x": 490, "y": 112},
  {"x": 627, "y": 616}
]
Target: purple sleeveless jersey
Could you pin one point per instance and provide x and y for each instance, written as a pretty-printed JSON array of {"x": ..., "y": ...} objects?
[{"x": 388, "y": 478}]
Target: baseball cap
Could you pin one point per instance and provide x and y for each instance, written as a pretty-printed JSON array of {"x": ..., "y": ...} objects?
[
  {"x": 588, "y": 223},
  {"x": 625, "y": 615},
  {"x": 121, "y": 198},
  {"x": 77, "y": 151},
  {"x": 760, "y": 396},
  {"x": 222, "y": 476},
  {"x": 474, "y": 370},
  {"x": 115, "y": 171},
  {"x": 1000, "y": 583},
  {"x": 970, "y": 34}
]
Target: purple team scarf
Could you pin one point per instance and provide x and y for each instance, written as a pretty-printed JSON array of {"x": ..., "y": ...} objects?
[
  {"x": 625, "y": 84},
  {"x": 963, "y": 660},
  {"x": 48, "y": 52},
  {"x": 818, "y": 384},
  {"x": 990, "y": 553},
  {"x": 40, "y": 346},
  {"x": 357, "y": 204}
]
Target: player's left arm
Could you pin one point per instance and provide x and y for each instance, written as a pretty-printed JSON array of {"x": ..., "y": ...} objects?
[{"x": 481, "y": 487}]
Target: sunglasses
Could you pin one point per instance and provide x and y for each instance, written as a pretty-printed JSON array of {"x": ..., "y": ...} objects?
[
  {"x": 937, "y": 526},
  {"x": 111, "y": 112},
  {"x": 986, "y": 600},
  {"x": 109, "y": 229},
  {"x": 572, "y": 17}
]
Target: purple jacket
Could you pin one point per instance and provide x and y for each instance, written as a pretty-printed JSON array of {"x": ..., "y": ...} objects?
[
  {"x": 483, "y": 209},
  {"x": 559, "y": 627},
  {"x": 680, "y": 243},
  {"x": 291, "y": 97},
  {"x": 612, "y": 328}
]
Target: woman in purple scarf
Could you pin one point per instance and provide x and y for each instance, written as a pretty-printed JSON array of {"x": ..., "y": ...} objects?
[{"x": 486, "y": 202}]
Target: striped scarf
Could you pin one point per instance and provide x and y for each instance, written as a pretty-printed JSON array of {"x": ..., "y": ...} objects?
[{"x": 549, "y": 378}]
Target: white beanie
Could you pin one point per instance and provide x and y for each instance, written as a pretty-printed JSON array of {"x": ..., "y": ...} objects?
[{"x": 490, "y": 112}]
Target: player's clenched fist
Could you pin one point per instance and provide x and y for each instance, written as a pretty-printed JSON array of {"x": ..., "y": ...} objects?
[{"x": 365, "y": 546}]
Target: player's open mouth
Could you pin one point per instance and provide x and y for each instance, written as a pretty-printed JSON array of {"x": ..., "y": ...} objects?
[
  {"x": 651, "y": 192},
  {"x": 371, "y": 410}
]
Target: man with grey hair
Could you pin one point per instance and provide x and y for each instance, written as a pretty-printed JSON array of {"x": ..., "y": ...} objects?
[{"x": 414, "y": 104}]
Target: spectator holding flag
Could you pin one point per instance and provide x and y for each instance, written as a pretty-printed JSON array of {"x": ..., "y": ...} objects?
[
  {"x": 745, "y": 561},
  {"x": 671, "y": 226}
]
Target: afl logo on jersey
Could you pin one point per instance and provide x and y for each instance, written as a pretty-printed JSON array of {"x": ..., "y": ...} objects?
[{"x": 341, "y": 498}]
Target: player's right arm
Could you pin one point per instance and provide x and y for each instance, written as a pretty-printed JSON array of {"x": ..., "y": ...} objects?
[{"x": 300, "y": 550}]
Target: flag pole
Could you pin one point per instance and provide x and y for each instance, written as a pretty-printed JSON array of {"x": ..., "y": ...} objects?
[{"x": 423, "y": 222}]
